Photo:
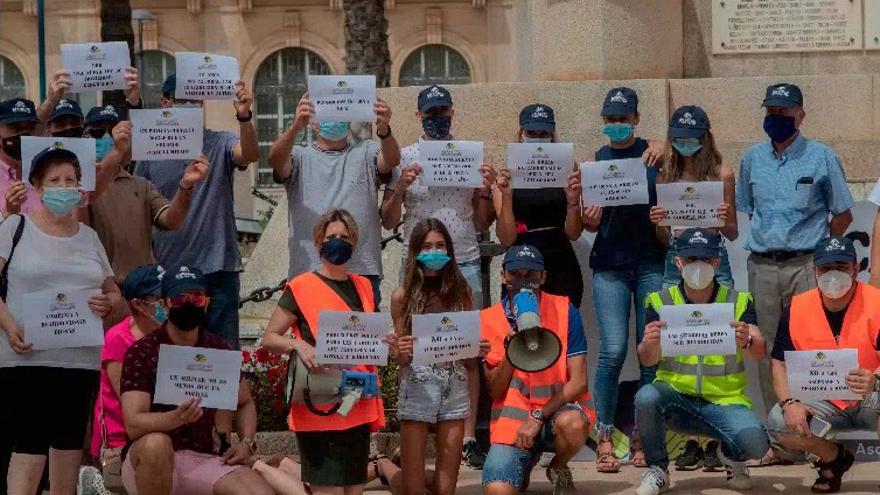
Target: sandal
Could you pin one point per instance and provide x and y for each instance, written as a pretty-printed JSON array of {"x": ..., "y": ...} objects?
[
  {"x": 636, "y": 454},
  {"x": 837, "y": 468},
  {"x": 374, "y": 464},
  {"x": 606, "y": 462}
]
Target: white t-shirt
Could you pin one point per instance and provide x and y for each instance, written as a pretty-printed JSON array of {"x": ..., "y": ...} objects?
[
  {"x": 43, "y": 262},
  {"x": 875, "y": 194},
  {"x": 451, "y": 205}
]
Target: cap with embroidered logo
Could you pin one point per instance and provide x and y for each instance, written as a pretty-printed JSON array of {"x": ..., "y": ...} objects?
[
  {"x": 537, "y": 117},
  {"x": 106, "y": 113},
  {"x": 181, "y": 280},
  {"x": 55, "y": 152},
  {"x": 523, "y": 257},
  {"x": 65, "y": 108},
  {"x": 834, "y": 250},
  {"x": 18, "y": 110},
  {"x": 698, "y": 243},
  {"x": 783, "y": 95},
  {"x": 688, "y": 122},
  {"x": 143, "y": 281},
  {"x": 433, "y": 97},
  {"x": 620, "y": 101}
]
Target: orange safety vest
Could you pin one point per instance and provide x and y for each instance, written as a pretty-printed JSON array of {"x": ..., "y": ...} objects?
[
  {"x": 527, "y": 391},
  {"x": 810, "y": 330},
  {"x": 313, "y": 295}
]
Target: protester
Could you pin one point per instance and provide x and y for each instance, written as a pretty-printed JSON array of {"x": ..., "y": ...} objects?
[
  {"x": 840, "y": 314},
  {"x": 334, "y": 172},
  {"x": 285, "y": 475},
  {"x": 464, "y": 211},
  {"x": 706, "y": 394},
  {"x": 60, "y": 85},
  {"x": 534, "y": 412},
  {"x": 53, "y": 253},
  {"x": 430, "y": 394},
  {"x": 334, "y": 449},
  {"x": 627, "y": 263},
  {"x": 548, "y": 218},
  {"x": 208, "y": 238},
  {"x": 18, "y": 118},
  {"x": 172, "y": 449},
  {"x": 66, "y": 119}
]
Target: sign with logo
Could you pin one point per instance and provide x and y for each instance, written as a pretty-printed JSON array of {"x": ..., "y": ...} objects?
[
  {"x": 691, "y": 204},
  {"x": 445, "y": 337},
  {"x": 96, "y": 66},
  {"x": 186, "y": 372},
  {"x": 83, "y": 148},
  {"x": 205, "y": 76},
  {"x": 347, "y": 337},
  {"x": 821, "y": 374},
  {"x": 343, "y": 98},
  {"x": 61, "y": 319},
  {"x": 167, "y": 133},
  {"x": 614, "y": 182},
  {"x": 697, "y": 329},
  {"x": 538, "y": 165},
  {"x": 451, "y": 163}
]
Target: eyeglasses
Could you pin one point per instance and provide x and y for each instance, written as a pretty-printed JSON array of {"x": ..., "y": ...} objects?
[{"x": 199, "y": 300}]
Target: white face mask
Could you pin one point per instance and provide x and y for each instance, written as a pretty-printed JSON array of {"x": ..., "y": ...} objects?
[
  {"x": 698, "y": 274},
  {"x": 835, "y": 284}
]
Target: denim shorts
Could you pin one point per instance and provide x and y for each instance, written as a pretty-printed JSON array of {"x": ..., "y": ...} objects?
[{"x": 430, "y": 394}]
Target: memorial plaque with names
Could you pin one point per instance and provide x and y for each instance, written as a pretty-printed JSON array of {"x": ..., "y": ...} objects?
[{"x": 761, "y": 26}]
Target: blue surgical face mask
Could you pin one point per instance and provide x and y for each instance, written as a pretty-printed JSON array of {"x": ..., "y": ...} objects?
[
  {"x": 687, "y": 147},
  {"x": 60, "y": 201},
  {"x": 159, "y": 314},
  {"x": 333, "y": 131},
  {"x": 437, "y": 126},
  {"x": 527, "y": 139},
  {"x": 780, "y": 128},
  {"x": 433, "y": 260},
  {"x": 103, "y": 145},
  {"x": 336, "y": 251},
  {"x": 618, "y": 132}
]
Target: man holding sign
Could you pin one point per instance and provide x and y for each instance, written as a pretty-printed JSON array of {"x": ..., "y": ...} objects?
[
  {"x": 704, "y": 394},
  {"x": 841, "y": 313}
]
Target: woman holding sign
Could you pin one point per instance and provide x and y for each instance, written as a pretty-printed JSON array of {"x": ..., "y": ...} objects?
[
  {"x": 334, "y": 449},
  {"x": 59, "y": 287}
]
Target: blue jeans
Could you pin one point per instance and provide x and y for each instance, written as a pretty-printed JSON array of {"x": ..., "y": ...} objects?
[
  {"x": 736, "y": 427},
  {"x": 223, "y": 290},
  {"x": 470, "y": 270},
  {"x": 614, "y": 293},
  {"x": 672, "y": 275}
]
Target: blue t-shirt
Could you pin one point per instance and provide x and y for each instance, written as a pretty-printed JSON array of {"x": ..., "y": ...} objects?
[
  {"x": 577, "y": 341},
  {"x": 626, "y": 236}
]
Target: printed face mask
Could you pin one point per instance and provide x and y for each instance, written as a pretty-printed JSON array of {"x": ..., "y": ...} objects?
[
  {"x": 433, "y": 260},
  {"x": 437, "y": 126}
]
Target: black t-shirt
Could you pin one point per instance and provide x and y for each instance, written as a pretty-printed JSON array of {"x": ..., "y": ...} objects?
[
  {"x": 749, "y": 316},
  {"x": 783, "y": 340},
  {"x": 344, "y": 288}
]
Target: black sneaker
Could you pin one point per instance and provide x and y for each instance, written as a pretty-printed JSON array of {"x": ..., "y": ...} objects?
[
  {"x": 712, "y": 464},
  {"x": 692, "y": 457},
  {"x": 472, "y": 455}
]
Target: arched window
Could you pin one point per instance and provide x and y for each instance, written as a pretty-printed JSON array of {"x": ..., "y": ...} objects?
[
  {"x": 157, "y": 66},
  {"x": 11, "y": 80},
  {"x": 279, "y": 84},
  {"x": 434, "y": 64}
]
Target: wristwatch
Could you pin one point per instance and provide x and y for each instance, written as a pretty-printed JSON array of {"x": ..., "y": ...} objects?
[
  {"x": 245, "y": 119},
  {"x": 537, "y": 415},
  {"x": 783, "y": 403},
  {"x": 251, "y": 444},
  {"x": 384, "y": 136},
  {"x": 877, "y": 382}
]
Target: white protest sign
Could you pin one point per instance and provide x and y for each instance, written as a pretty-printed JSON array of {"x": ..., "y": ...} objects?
[
  {"x": 186, "y": 372},
  {"x": 167, "y": 133},
  {"x": 691, "y": 204},
  {"x": 697, "y": 329},
  {"x": 83, "y": 148},
  {"x": 343, "y": 98},
  {"x": 451, "y": 163},
  {"x": 821, "y": 374},
  {"x": 445, "y": 337},
  {"x": 205, "y": 76},
  {"x": 96, "y": 66},
  {"x": 538, "y": 165},
  {"x": 614, "y": 182},
  {"x": 347, "y": 337},
  {"x": 60, "y": 319}
]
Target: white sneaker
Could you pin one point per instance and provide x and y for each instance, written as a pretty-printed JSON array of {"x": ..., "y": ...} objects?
[
  {"x": 85, "y": 481},
  {"x": 654, "y": 481},
  {"x": 737, "y": 472},
  {"x": 546, "y": 459}
]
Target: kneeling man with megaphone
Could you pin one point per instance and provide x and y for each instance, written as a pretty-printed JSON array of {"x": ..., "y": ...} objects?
[{"x": 537, "y": 376}]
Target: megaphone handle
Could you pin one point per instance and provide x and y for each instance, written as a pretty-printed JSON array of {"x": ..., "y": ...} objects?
[{"x": 308, "y": 400}]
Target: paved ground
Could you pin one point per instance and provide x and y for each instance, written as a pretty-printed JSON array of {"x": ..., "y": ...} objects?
[{"x": 863, "y": 479}]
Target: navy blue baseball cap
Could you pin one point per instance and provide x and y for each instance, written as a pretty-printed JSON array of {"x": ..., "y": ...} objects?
[
  {"x": 54, "y": 152},
  {"x": 698, "y": 243},
  {"x": 143, "y": 281},
  {"x": 107, "y": 113},
  {"x": 783, "y": 95},
  {"x": 523, "y": 257},
  {"x": 689, "y": 122},
  {"x": 833, "y": 250},
  {"x": 169, "y": 86},
  {"x": 65, "y": 108},
  {"x": 620, "y": 101},
  {"x": 433, "y": 97},
  {"x": 182, "y": 279},
  {"x": 537, "y": 117},
  {"x": 18, "y": 110}
]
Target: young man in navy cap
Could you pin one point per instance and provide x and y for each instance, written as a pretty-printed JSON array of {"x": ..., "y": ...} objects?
[
  {"x": 842, "y": 313},
  {"x": 18, "y": 118},
  {"x": 794, "y": 190},
  {"x": 66, "y": 119}
]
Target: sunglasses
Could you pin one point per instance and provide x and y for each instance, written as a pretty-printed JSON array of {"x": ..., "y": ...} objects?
[
  {"x": 199, "y": 300},
  {"x": 98, "y": 132}
]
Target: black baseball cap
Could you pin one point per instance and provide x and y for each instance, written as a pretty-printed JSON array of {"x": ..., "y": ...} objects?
[
  {"x": 834, "y": 249},
  {"x": 182, "y": 279},
  {"x": 56, "y": 151},
  {"x": 143, "y": 281},
  {"x": 620, "y": 101},
  {"x": 65, "y": 108},
  {"x": 783, "y": 95},
  {"x": 698, "y": 243},
  {"x": 169, "y": 86},
  {"x": 18, "y": 110},
  {"x": 523, "y": 257},
  {"x": 433, "y": 97},
  {"x": 107, "y": 113},
  {"x": 537, "y": 117},
  {"x": 689, "y": 122}
]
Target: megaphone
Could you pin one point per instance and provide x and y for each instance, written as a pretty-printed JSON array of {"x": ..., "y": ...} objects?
[
  {"x": 336, "y": 389},
  {"x": 532, "y": 348}
]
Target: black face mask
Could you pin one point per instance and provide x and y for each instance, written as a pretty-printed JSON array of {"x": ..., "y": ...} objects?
[
  {"x": 518, "y": 284},
  {"x": 187, "y": 317},
  {"x": 73, "y": 132},
  {"x": 12, "y": 147}
]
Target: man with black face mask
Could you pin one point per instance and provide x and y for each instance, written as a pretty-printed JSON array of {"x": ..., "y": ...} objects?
[{"x": 18, "y": 118}]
